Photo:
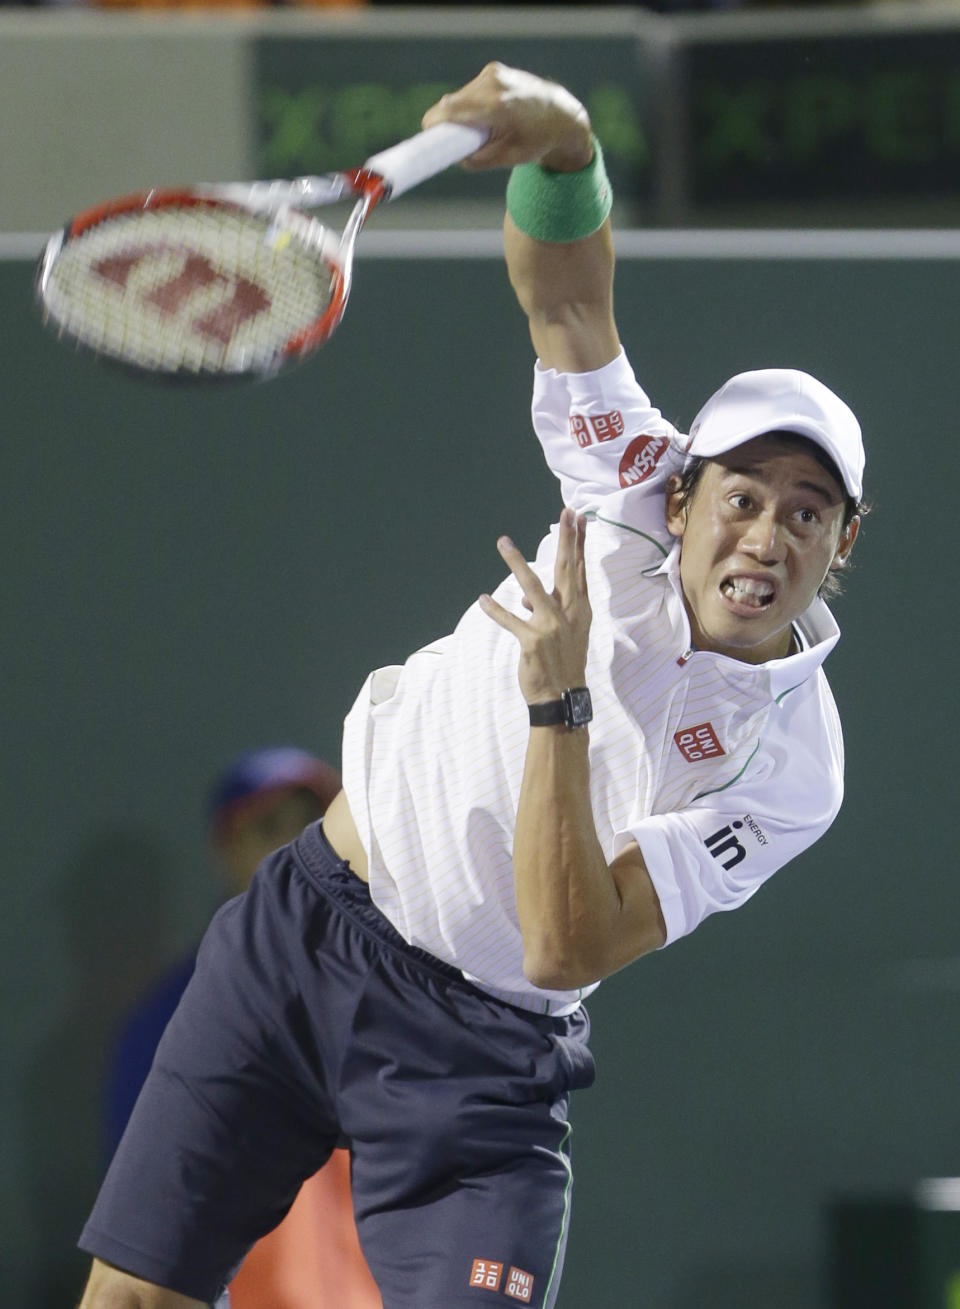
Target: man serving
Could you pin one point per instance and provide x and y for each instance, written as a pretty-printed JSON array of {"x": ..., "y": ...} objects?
[{"x": 632, "y": 732}]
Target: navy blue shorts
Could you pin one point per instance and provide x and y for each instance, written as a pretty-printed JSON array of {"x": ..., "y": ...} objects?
[{"x": 308, "y": 1016}]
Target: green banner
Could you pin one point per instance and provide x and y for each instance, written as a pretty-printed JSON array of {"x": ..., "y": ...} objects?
[
  {"x": 842, "y": 117},
  {"x": 329, "y": 102}
]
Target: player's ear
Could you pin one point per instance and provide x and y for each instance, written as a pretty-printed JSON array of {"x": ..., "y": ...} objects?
[
  {"x": 845, "y": 544},
  {"x": 676, "y": 509}
]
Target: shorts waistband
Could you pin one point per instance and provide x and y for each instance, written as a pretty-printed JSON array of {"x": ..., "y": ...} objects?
[{"x": 336, "y": 881}]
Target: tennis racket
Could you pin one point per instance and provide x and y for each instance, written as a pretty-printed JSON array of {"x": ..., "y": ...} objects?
[{"x": 224, "y": 281}]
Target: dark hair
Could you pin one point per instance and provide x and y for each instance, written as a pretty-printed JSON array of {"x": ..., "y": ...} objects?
[{"x": 689, "y": 480}]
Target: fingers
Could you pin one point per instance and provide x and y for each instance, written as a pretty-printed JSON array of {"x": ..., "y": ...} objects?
[
  {"x": 530, "y": 584},
  {"x": 570, "y": 580},
  {"x": 476, "y": 103},
  {"x": 570, "y": 573},
  {"x": 510, "y": 622},
  {"x": 554, "y": 638},
  {"x": 526, "y": 116}
]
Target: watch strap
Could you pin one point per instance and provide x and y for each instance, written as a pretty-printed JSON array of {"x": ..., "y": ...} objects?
[
  {"x": 573, "y": 709},
  {"x": 547, "y": 714}
]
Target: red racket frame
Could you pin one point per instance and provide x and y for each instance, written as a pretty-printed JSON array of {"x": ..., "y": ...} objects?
[{"x": 368, "y": 188}]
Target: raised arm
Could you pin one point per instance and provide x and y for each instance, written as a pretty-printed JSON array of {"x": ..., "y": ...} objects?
[
  {"x": 565, "y": 287},
  {"x": 581, "y": 917}
]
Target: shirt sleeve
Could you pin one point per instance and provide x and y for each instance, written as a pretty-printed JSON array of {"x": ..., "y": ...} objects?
[
  {"x": 603, "y": 438},
  {"x": 713, "y": 855}
]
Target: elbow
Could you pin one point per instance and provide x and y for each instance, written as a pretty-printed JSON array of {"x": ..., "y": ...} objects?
[
  {"x": 558, "y": 970},
  {"x": 553, "y": 965}
]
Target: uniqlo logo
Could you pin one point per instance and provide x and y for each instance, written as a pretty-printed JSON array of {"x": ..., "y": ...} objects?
[
  {"x": 486, "y": 1274},
  {"x": 519, "y": 1285},
  {"x": 597, "y": 427},
  {"x": 579, "y": 430},
  {"x": 640, "y": 459},
  {"x": 700, "y": 742},
  {"x": 606, "y": 427}
]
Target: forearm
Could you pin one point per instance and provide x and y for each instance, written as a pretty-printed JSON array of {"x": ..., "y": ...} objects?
[
  {"x": 562, "y": 272},
  {"x": 566, "y": 291},
  {"x": 568, "y": 904},
  {"x": 580, "y": 917}
]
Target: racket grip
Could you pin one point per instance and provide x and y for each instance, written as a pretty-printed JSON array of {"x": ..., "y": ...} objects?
[{"x": 412, "y": 161}]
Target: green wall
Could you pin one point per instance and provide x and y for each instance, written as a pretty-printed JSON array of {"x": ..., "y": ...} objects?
[{"x": 191, "y": 572}]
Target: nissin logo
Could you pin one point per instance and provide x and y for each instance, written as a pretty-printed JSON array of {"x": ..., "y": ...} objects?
[
  {"x": 724, "y": 842},
  {"x": 640, "y": 459}
]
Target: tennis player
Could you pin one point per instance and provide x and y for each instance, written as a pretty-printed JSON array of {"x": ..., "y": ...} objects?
[{"x": 631, "y": 733}]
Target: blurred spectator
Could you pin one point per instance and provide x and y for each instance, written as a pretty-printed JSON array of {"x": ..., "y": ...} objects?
[
  {"x": 263, "y": 800},
  {"x": 114, "y": 909}
]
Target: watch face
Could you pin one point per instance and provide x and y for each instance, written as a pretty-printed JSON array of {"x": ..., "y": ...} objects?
[{"x": 579, "y": 706}]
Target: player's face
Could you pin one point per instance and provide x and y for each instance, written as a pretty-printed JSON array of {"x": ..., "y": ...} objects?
[{"x": 759, "y": 534}]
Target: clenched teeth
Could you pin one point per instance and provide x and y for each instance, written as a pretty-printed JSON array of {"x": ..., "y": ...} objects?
[{"x": 746, "y": 590}]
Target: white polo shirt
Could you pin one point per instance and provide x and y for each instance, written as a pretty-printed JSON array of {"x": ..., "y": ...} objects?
[{"x": 721, "y": 771}]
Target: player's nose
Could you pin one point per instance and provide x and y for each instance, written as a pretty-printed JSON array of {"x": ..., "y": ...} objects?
[{"x": 763, "y": 539}]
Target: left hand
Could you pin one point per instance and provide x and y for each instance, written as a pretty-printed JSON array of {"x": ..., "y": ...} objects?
[{"x": 553, "y": 641}]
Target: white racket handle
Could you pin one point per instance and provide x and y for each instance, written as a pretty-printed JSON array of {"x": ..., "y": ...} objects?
[{"x": 412, "y": 161}]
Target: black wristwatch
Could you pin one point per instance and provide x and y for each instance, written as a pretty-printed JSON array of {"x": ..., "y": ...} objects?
[{"x": 573, "y": 709}]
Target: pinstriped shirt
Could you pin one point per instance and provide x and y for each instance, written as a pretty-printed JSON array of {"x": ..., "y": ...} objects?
[{"x": 722, "y": 771}]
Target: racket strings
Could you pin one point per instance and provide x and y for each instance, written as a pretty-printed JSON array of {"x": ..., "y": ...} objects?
[{"x": 193, "y": 288}]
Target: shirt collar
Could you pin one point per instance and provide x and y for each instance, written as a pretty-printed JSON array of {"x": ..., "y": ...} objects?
[{"x": 816, "y": 627}]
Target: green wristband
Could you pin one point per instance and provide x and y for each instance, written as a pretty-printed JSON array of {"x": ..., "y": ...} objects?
[{"x": 553, "y": 206}]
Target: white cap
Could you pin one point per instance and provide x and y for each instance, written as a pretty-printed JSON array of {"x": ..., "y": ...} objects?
[{"x": 781, "y": 400}]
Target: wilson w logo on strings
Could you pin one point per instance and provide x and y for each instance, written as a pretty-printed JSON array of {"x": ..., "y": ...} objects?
[{"x": 242, "y": 300}]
